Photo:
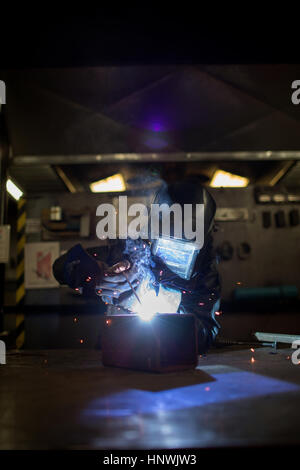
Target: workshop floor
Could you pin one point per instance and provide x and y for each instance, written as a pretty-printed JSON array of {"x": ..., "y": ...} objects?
[{"x": 57, "y": 399}]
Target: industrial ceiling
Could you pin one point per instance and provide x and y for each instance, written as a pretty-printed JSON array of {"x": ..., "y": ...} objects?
[{"x": 150, "y": 113}]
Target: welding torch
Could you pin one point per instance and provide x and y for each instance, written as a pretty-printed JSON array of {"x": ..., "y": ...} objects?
[{"x": 121, "y": 268}]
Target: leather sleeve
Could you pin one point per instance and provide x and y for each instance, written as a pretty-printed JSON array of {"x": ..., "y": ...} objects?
[{"x": 80, "y": 268}]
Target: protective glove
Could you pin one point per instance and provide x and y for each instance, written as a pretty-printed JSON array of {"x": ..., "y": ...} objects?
[{"x": 114, "y": 285}]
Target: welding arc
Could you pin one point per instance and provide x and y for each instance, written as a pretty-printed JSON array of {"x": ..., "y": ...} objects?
[{"x": 131, "y": 286}]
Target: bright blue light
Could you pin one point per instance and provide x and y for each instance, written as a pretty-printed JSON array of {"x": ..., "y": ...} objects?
[
  {"x": 226, "y": 387},
  {"x": 166, "y": 300}
]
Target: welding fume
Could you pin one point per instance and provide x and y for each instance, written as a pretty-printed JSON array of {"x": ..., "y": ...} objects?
[{"x": 147, "y": 276}]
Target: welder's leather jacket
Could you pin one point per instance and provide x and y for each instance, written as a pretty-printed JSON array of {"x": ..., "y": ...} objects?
[{"x": 200, "y": 294}]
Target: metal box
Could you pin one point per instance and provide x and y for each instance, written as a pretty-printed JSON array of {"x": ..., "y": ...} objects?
[{"x": 166, "y": 343}]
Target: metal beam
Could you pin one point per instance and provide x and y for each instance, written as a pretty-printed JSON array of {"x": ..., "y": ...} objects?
[
  {"x": 32, "y": 160},
  {"x": 62, "y": 175}
]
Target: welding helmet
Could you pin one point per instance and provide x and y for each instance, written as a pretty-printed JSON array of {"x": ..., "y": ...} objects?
[{"x": 180, "y": 253}]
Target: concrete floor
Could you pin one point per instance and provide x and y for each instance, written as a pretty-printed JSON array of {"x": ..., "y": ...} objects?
[{"x": 57, "y": 399}]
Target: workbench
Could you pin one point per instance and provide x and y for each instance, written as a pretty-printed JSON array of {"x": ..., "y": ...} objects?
[{"x": 66, "y": 399}]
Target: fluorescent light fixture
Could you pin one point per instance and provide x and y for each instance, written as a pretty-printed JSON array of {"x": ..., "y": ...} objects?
[
  {"x": 111, "y": 184},
  {"x": 224, "y": 179},
  {"x": 13, "y": 190}
]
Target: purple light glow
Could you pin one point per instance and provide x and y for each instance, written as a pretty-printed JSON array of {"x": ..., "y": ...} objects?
[{"x": 157, "y": 127}]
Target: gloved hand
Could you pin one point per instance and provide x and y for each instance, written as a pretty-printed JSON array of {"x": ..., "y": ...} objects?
[{"x": 114, "y": 284}]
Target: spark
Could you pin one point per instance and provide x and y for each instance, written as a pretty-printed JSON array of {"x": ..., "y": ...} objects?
[
  {"x": 252, "y": 360},
  {"x": 75, "y": 320},
  {"x": 218, "y": 313},
  {"x": 239, "y": 283},
  {"x": 81, "y": 341},
  {"x": 88, "y": 279},
  {"x": 201, "y": 304},
  {"x": 166, "y": 300},
  {"x": 252, "y": 349}
]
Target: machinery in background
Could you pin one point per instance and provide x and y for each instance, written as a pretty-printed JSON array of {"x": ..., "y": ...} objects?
[
  {"x": 257, "y": 241},
  {"x": 58, "y": 224}
]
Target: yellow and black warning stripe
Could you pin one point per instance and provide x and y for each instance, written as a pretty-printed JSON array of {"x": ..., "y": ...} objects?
[{"x": 20, "y": 292}]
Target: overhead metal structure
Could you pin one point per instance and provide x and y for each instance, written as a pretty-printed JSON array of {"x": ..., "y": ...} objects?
[{"x": 177, "y": 113}]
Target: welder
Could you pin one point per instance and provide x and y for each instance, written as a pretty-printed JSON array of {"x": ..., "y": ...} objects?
[{"x": 174, "y": 267}]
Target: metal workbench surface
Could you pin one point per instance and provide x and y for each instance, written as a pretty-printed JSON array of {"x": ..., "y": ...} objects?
[{"x": 62, "y": 399}]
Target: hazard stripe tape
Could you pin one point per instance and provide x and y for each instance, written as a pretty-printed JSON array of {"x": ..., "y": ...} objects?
[
  {"x": 20, "y": 340},
  {"x": 21, "y": 244},
  {"x": 21, "y": 203},
  {"x": 20, "y": 291},
  {"x": 20, "y": 268},
  {"x": 21, "y": 221},
  {"x": 20, "y": 280}
]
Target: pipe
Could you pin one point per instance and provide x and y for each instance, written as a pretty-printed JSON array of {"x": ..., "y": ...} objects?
[{"x": 264, "y": 293}]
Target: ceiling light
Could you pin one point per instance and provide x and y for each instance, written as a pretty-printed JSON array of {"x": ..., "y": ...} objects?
[
  {"x": 111, "y": 184},
  {"x": 224, "y": 179},
  {"x": 13, "y": 190}
]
